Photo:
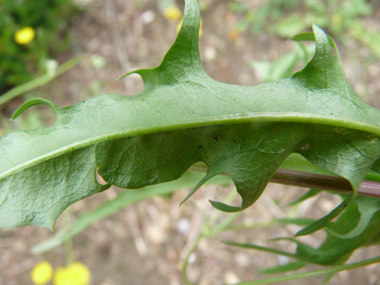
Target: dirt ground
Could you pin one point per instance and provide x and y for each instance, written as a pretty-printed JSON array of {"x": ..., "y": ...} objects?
[{"x": 146, "y": 243}]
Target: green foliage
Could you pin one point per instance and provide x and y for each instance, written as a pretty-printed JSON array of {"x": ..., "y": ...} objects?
[
  {"x": 183, "y": 116},
  {"x": 269, "y": 11},
  {"x": 284, "y": 66},
  {"x": 122, "y": 200},
  {"x": 368, "y": 36},
  {"x": 41, "y": 80},
  {"x": 356, "y": 227},
  {"x": 290, "y": 17},
  {"x": 341, "y": 18},
  {"x": 312, "y": 122},
  {"x": 48, "y": 19}
]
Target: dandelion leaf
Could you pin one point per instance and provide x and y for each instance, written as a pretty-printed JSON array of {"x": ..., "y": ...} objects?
[{"x": 183, "y": 116}]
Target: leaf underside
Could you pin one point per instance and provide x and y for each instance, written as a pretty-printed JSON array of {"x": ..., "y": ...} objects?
[{"x": 183, "y": 116}]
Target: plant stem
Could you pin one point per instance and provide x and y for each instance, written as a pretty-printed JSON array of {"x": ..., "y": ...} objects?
[
  {"x": 208, "y": 231},
  {"x": 324, "y": 182},
  {"x": 186, "y": 261},
  {"x": 68, "y": 244},
  {"x": 39, "y": 81},
  {"x": 239, "y": 227},
  {"x": 222, "y": 226},
  {"x": 318, "y": 181},
  {"x": 313, "y": 273}
]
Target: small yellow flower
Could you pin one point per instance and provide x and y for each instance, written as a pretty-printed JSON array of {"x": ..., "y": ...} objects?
[
  {"x": 200, "y": 27},
  {"x": 25, "y": 35},
  {"x": 73, "y": 274},
  {"x": 42, "y": 273},
  {"x": 172, "y": 13}
]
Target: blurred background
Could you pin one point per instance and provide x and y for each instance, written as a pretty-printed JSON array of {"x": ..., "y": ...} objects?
[{"x": 69, "y": 51}]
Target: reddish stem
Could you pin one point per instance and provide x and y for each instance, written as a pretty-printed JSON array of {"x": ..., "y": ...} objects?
[{"x": 318, "y": 181}]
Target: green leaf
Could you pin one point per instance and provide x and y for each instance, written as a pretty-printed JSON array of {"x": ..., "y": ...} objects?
[
  {"x": 341, "y": 261},
  {"x": 183, "y": 116},
  {"x": 223, "y": 207},
  {"x": 262, "y": 248},
  {"x": 31, "y": 103},
  {"x": 284, "y": 268},
  {"x": 296, "y": 221},
  {"x": 304, "y": 275},
  {"x": 308, "y": 194},
  {"x": 122, "y": 200},
  {"x": 321, "y": 223},
  {"x": 366, "y": 208},
  {"x": 343, "y": 236},
  {"x": 311, "y": 37},
  {"x": 284, "y": 66},
  {"x": 289, "y": 26},
  {"x": 34, "y": 196},
  {"x": 296, "y": 161}
]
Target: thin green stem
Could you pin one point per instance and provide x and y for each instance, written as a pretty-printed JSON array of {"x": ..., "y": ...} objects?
[
  {"x": 186, "y": 261},
  {"x": 240, "y": 227},
  {"x": 222, "y": 226},
  {"x": 313, "y": 273},
  {"x": 208, "y": 231},
  {"x": 69, "y": 251},
  {"x": 39, "y": 81},
  {"x": 68, "y": 244}
]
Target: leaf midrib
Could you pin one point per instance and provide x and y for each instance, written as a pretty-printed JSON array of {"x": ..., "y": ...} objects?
[{"x": 222, "y": 120}]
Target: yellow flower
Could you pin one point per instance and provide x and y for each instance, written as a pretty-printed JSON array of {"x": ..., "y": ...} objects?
[
  {"x": 73, "y": 274},
  {"x": 42, "y": 273},
  {"x": 172, "y": 13},
  {"x": 200, "y": 28},
  {"x": 25, "y": 35}
]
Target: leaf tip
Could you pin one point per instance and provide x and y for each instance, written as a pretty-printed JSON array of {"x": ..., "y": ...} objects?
[
  {"x": 188, "y": 196},
  {"x": 125, "y": 75},
  {"x": 184, "y": 200},
  {"x": 30, "y": 103},
  {"x": 315, "y": 26},
  {"x": 224, "y": 208},
  {"x": 300, "y": 233}
]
